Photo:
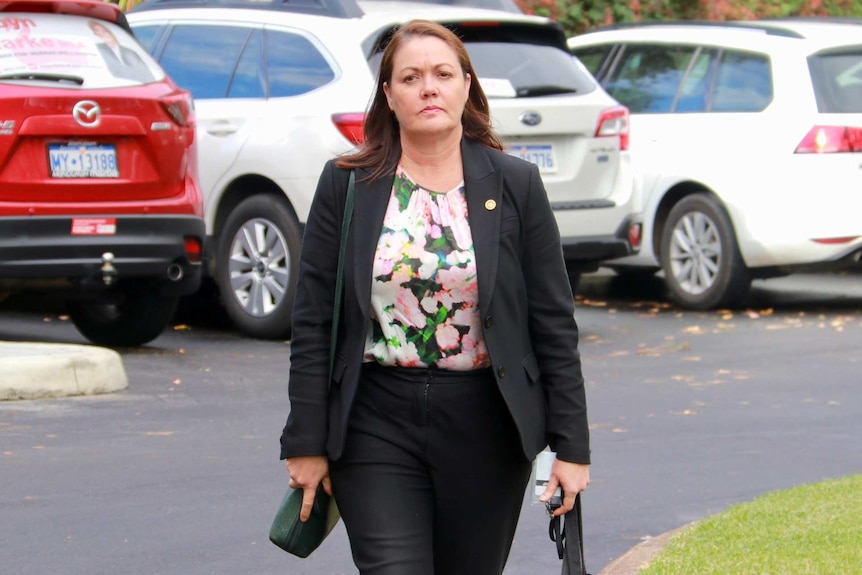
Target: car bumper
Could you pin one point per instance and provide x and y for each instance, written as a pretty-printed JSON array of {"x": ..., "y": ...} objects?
[
  {"x": 586, "y": 253},
  {"x": 44, "y": 253}
]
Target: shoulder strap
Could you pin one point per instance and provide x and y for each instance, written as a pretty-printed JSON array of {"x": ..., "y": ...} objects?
[{"x": 339, "y": 277}]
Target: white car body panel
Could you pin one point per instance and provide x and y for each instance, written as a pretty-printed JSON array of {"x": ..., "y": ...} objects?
[{"x": 779, "y": 201}]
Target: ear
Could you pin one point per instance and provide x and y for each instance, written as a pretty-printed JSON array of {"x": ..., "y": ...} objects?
[
  {"x": 386, "y": 93},
  {"x": 467, "y": 80}
]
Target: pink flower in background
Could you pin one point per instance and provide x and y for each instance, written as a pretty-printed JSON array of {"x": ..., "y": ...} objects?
[
  {"x": 430, "y": 305},
  {"x": 437, "y": 214},
  {"x": 407, "y": 309},
  {"x": 447, "y": 336},
  {"x": 434, "y": 231},
  {"x": 459, "y": 282},
  {"x": 468, "y": 342}
]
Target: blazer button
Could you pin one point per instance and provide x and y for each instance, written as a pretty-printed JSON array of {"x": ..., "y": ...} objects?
[
  {"x": 488, "y": 322},
  {"x": 501, "y": 371}
]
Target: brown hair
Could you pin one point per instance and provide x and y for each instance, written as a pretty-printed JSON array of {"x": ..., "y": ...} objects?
[{"x": 382, "y": 147}]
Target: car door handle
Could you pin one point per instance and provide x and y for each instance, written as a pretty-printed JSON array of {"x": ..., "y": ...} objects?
[{"x": 221, "y": 129}]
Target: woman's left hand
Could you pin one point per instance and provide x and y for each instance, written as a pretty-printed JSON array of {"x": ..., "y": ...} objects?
[{"x": 572, "y": 477}]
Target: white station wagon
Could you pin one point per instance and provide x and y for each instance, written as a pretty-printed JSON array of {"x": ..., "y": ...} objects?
[
  {"x": 749, "y": 139},
  {"x": 281, "y": 87}
]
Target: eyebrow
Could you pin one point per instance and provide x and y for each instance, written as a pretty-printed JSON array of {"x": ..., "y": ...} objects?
[{"x": 435, "y": 66}]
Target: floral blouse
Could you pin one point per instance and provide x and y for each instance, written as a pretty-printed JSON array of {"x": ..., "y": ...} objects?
[{"x": 424, "y": 295}]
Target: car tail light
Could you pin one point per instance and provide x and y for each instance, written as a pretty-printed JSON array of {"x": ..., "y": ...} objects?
[
  {"x": 193, "y": 249},
  {"x": 831, "y": 140},
  {"x": 350, "y": 126},
  {"x": 179, "y": 107},
  {"x": 614, "y": 122},
  {"x": 835, "y": 241},
  {"x": 635, "y": 235}
]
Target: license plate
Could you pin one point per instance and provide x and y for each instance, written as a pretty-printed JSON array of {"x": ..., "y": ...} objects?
[
  {"x": 540, "y": 154},
  {"x": 83, "y": 161}
]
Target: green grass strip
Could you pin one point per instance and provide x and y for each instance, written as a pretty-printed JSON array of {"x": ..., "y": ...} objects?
[{"x": 812, "y": 529}]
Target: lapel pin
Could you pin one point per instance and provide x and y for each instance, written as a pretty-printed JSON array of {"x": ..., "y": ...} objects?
[{"x": 490, "y": 205}]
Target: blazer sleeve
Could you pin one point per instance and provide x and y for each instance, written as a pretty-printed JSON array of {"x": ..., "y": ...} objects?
[
  {"x": 552, "y": 327},
  {"x": 305, "y": 432}
]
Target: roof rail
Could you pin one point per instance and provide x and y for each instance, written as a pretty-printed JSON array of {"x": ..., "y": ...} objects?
[
  {"x": 504, "y": 5},
  {"x": 770, "y": 28},
  {"x": 814, "y": 19},
  {"x": 333, "y": 8}
]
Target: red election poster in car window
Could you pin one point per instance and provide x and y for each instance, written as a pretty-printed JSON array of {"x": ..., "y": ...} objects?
[{"x": 88, "y": 50}]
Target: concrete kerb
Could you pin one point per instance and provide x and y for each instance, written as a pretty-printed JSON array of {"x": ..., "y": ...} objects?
[
  {"x": 640, "y": 555},
  {"x": 44, "y": 370}
]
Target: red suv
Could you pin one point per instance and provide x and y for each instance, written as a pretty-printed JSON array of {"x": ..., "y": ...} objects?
[{"x": 99, "y": 199}]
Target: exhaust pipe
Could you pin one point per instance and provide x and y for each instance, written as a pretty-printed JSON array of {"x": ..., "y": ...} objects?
[{"x": 175, "y": 272}]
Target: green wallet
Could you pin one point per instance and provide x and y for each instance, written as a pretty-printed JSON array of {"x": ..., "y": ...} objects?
[{"x": 299, "y": 538}]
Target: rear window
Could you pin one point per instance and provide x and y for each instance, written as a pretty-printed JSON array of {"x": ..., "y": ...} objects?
[
  {"x": 837, "y": 79},
  {"x": 71, "y": 50},
  {"x": 518, "y": 61}
]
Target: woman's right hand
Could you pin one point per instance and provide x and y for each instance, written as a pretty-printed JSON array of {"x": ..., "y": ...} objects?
[{"x": 306, "y": 473}]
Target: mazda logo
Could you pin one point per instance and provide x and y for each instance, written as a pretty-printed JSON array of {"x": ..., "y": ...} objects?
[
  {"x": 87, "y": 113},
  {"x": 530, "y": 118}
]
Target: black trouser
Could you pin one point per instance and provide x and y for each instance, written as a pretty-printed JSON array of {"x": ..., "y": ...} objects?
[{"x": 432, "y": 477}]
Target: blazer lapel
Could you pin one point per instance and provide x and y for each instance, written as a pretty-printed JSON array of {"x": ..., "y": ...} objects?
[
  {"x": 483, "y": 188},
  {"x": 368, "y": 212}
]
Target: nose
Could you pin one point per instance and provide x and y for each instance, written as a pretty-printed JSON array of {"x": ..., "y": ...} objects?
[{"x": 429, "y": 85}]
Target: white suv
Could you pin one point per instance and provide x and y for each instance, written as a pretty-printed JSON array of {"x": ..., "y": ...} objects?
[
  {"x": 281, "y": 87},
  {"x": 748, "y": 136}
]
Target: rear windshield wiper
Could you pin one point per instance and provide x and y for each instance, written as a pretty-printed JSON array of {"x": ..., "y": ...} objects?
[
  {"x": 545, "y": 90},
  {"x": 43, "y": 77}
]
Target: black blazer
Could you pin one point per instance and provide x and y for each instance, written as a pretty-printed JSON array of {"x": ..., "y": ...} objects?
[{"x": 524, "y": 297}]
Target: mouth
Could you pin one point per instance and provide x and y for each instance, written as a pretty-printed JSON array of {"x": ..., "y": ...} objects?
[{"x": 431, "y": 109}]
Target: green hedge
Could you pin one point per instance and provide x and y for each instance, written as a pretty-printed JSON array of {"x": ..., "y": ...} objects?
[{"x": 578, "y": 16}]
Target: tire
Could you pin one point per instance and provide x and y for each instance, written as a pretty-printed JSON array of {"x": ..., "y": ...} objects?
[
  {"x": 256, "y": 266},
  {"x": 136, "y": 317},
  {"x": 702, "y": 265}
]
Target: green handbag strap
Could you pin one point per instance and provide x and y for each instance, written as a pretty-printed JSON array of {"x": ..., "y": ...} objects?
[{"x": 339, "y": 277}]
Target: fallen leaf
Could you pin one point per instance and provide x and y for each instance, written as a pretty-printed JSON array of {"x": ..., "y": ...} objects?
[
  {"x": 159, "y": 433},
  {"x": 177, "y": 381},
  {"x": 182, "y": 327},
  {"x": 619, "y": 430}
]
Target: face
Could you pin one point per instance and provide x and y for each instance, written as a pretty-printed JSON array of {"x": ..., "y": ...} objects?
[
  {"x": 428, "y": 88},
  {"x": 104, "y": 34}
]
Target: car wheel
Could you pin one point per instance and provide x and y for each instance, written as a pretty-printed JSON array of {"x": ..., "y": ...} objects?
[
  {"x": 701, "y": 261},
  {"x": 134, "y": 318},
  {"x": 256, "y": 266}
]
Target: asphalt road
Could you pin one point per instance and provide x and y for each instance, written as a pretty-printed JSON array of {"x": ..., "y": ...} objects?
[{"x": 179, "y": 474}]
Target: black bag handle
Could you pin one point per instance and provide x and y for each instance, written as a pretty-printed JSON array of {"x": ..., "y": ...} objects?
[
  {"x": 563, "y": 532},
  {"x": 339, "y": 276}
]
